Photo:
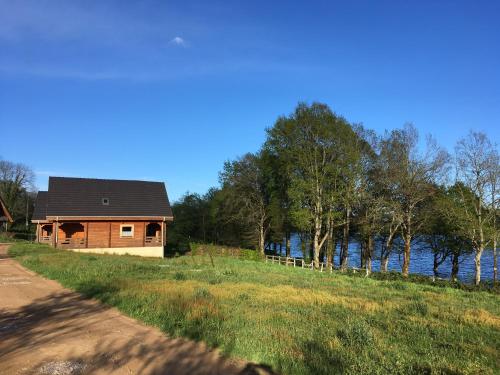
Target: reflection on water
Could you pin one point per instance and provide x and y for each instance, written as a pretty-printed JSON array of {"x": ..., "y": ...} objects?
[{"x": 421, "y": 261}]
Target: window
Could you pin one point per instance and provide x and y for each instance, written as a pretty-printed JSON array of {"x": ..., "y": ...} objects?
[
  {"x": 105, "y": 201},
  {"x": 126, "y": 230}
]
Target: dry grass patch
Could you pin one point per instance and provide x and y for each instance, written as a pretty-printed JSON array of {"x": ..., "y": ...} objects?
[{"x": 480, "y": 316}]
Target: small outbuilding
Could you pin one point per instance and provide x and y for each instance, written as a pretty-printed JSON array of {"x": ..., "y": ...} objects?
[
  {"x": 5, "y": 216},
  {"x": 103, "y": 216}
]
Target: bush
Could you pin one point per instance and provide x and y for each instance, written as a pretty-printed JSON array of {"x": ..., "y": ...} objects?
[{"x": 220, "y": 250}]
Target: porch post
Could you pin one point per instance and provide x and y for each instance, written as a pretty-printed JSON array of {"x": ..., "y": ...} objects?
[
  {"x": 87, "y": 234},
  {"x": 164, "y": 231},
  {"x": 162, "y": 234},
  {"x": 55, "y": 233},
  {"x": 144, "y": 235}
]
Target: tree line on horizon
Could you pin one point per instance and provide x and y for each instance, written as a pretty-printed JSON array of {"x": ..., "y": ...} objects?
[{"x": 331, "y": 182}]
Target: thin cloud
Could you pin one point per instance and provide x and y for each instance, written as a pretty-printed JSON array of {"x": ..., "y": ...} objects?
[{"x": 178, "y": 41}]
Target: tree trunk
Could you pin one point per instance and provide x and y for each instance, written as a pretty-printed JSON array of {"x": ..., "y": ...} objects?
[
  {"x": 362, "y": 255},
  {"x": 477, "y": 277},
  {"x": 345, "y": 241},
  {"x": 384, "y": 262},
  {"x": 480, "y": 247},
  {"x": 330, "y": 247},
  {"x": 369, "y": 255},
  {"x": 316, "y": 240},
  {"x": 262, "y": 240},
  {"x": 495, "y": 259},
  {"x": 407, "y": 251},
  {"x": 454, "y": 267},
  {"x": 436, "y": 265},
  {"x": 334, "y": 250}
]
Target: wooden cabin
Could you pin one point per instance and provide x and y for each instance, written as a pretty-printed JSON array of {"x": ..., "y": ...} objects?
[
  {"x": 103, "y": 216},
  {"x": 5, "y": 216}
]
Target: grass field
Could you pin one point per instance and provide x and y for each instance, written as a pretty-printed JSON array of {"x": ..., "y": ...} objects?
[{"x": 294, "y": 320}]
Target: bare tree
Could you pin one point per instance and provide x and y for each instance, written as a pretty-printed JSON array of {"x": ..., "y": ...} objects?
[
  {"x": 16, "y": 180},
  {"x": 477, "y": 165},
  {"x": 494, "y": 182}
]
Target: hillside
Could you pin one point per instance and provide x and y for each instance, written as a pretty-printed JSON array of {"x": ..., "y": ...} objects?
[{"x": 296, "y": 321}]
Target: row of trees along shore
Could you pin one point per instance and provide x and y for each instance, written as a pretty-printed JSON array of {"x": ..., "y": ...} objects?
[{"x": 330, "y": 181}]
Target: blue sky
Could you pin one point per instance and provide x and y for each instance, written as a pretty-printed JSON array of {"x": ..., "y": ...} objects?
[{"x": 168, "y": 91}]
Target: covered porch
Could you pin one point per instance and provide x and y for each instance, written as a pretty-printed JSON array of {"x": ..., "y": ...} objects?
[
  {"x": 153, "y": 234},
  {"x": 44, "y": 233},
  {"x": 71, "y": 235},
  {"x": 75, "y": 234}
]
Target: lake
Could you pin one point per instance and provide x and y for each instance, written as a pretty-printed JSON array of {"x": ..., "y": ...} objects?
[{"x": 421, "y": 261}]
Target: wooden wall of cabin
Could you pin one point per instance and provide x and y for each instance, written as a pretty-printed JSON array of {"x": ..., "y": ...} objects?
[
  {"x": 136, "y": 241},
  {"x": 98, "y": 234},
  {"x": 103, "y": 234}
]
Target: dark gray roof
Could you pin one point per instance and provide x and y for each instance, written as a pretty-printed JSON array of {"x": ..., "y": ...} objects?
[
  {"x": 84, "y": 197},
  {"x": 40, "y": 211}
]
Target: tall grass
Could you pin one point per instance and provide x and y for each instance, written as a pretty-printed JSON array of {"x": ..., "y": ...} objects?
[{"x": 296, "y": 321}]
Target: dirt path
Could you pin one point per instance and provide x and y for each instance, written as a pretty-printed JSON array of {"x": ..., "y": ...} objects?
[{"x": 46, "y": 329}]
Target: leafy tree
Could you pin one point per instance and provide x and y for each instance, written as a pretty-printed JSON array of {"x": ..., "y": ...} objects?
[
  {"x": 369, "y": 203},
  {"x": 442, "y": 231},
  {"x": 476, "y": 163},
  {"x": 191, "y": 219},
  {"x": 245, "y": 182},
  {"x": 311, "y": 142},
  {"x": 352, "y": 169},
  {"x": 409, "y": 180},
  {"x": 279, "y": 205}
]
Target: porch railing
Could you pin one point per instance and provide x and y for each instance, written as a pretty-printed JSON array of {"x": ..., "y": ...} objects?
[
  {"x": 71, "y": 242},
  {"x": 152, "y": 241},
  {"x": 46, "y": 239}
]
